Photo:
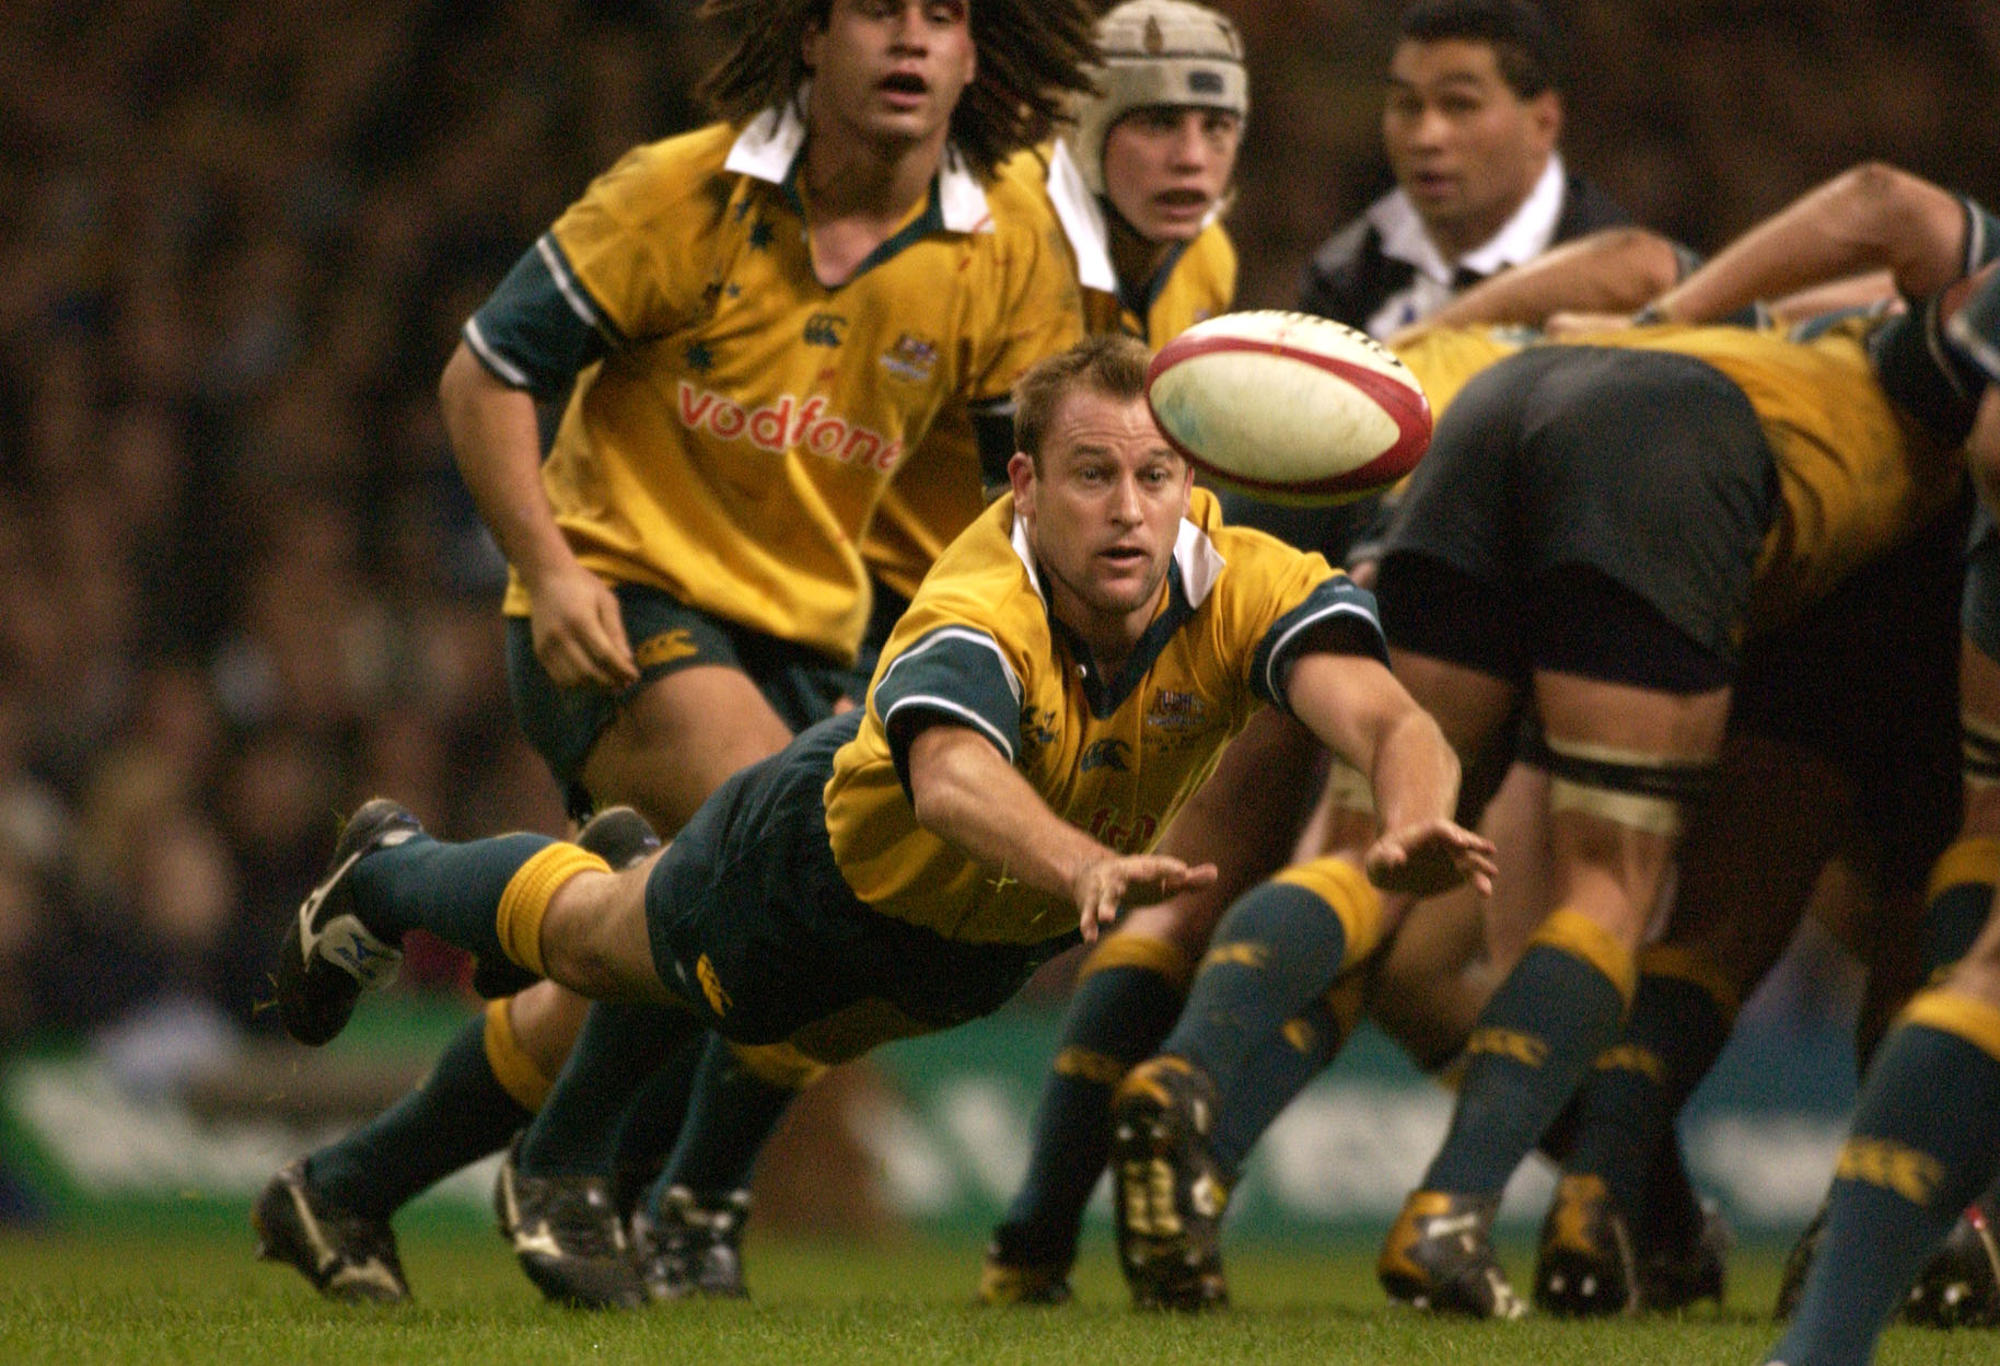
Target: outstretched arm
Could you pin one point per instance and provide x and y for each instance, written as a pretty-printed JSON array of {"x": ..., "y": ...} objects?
[
  {"x": 965, "y": 791},
  {"x": 1360, "y": 711},
  {"x": 1613, "y": 271},
  {"x": 1873, "y": 217}
]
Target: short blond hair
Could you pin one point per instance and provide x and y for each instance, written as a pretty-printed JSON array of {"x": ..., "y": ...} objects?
[{"x": 1111, "y": 364}]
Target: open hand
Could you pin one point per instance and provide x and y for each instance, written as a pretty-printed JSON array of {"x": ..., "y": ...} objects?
[
  {"x": 1431, "y": 857},
  {"x": 1105, "y": 884}
]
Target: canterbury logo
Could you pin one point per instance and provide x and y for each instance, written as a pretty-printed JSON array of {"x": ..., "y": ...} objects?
[
  {"x": 1628, "y": 1057},
  {"x": 787, "y": 424},
  {"x": 1892, "y": 1166},
  {"x": 711, "y": 986},
  {"x": 1240, "y": 955},
  {"x": 1525, "y": 1049},
  {"x": 666, "y": 647},
  {"x": 1105, "y": 754},
  {"x": 1090, "y": 1065},
  {"x": 824, "y": 329}
]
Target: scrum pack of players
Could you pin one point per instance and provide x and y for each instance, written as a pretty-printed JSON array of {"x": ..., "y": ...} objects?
[{"x": 850, "y": 273}]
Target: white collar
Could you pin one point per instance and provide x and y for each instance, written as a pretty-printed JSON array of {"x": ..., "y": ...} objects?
[
  {"x": 1201, "y": 564},
  {"x": 1521, "y": 238},
  {"x": 1082, "y": 219},
  {"x": 770, "y": 143},
  {"x": 1081, "y": 214}
]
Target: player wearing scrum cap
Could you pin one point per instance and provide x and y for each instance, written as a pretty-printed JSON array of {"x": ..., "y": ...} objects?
[
  {"x": 1139, "y": 180},
  {"x": 1137, "y": 183}
]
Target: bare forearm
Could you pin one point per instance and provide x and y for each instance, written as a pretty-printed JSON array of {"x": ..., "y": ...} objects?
[
  {"x": 496, "y": 440},
  {"x": 983, "y": 805},
  {"x": 1361, "y": 712},
  {"x": 1873, "y": 217},
  {"x": 1616, "y": 270},
  {"x": 1415, "y": 776}
]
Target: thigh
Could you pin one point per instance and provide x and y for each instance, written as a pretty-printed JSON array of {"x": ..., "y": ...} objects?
[
  {"x": 1624, "y": 762},
  {"x": 674, "y": 742},
  {"x": 1470, "y": 705},
  {"x": 711, "y": 697}
]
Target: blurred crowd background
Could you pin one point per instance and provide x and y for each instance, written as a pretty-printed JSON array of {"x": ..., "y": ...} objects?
[{"x": 241, "y": 586}]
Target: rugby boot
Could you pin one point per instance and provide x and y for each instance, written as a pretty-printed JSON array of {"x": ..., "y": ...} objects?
[
  {"x": 1960, "y": 1285},
  {"x": 1584, "y": 1267},
  {"x": 1975, "y": 327},
  {"x": 692, "y": 1248},
  {"x": 1010, "y": 1275},
  {"x": 1792, "y": 1278},
  {"x": 1677, "y": 1272},
  {"x": 329, "y": 957},
  {"x": 567, "y": 1236},
  {"x": 1439, "y": 1258},
  {"x": 622, "y": 838},
  {"x": 347, "y": 1256},
  {"x": 1168, "y": 1194}
]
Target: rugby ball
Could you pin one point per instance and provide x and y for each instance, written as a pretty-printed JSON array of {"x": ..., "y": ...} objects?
[{"x": 1289, "y": 406}]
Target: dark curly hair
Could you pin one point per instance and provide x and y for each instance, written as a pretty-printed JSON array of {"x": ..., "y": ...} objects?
[{"x": 1032, "y": 54}]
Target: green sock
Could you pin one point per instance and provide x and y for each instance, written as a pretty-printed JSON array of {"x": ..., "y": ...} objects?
[
  {"x": 652, "y": 1124},
  {"x": 1681, "y": 1016},
  {"x": 1278, "y": 1069},
  {"x": 1279, "y": 947},
  {"x": 455, "y": 1116},
  {"x": 1926, "y": 1140},
  {"x": 731, "y": 1112},
  {"x": 1672, "y": 1216},
  {"x": 1532, "y": 1045},
  {"x": 1126, "y": 1001},
  {"x": 615, "y": 1055},
  {"x": 452, "y": 890},
  {"x": 1958, "y": 899}
]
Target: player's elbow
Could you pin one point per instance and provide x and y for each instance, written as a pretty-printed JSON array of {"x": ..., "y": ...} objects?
[
  {"x": 1871, "y": 185},
  {"x": 936, "y": 800},
  {"x": 1875, "y": 202}
]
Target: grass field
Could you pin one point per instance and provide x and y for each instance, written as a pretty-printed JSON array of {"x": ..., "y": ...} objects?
[{"x": 198, "y": 1297}]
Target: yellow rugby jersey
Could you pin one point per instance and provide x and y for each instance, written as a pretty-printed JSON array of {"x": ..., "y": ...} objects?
[
  {"x": 1856, "y": 475},
  {"x": 978, "y": 647},
  {"x": 938, "y": 492},
  {"x": 731, "y": 443},
  {"x": 1444, "y": 358}
]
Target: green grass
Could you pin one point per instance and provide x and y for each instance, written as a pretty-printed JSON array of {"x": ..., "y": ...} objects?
[{"x": 199, "y": 1297}]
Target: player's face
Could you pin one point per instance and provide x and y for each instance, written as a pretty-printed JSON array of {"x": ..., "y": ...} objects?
[
  {"x": 1463, "y": 145},
  {"x": 1103, "y": 513},
  {"x": 889, "y": 72},
  {"x": 1165, "y": 166}
]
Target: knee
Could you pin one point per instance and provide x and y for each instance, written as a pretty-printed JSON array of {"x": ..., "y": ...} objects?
[
  {"x": 544, "y": 1020},
  {"x": 1185, "y": 922},
  {"x": 594, "y": 939}
]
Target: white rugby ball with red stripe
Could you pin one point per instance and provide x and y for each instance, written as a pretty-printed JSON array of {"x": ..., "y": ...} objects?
[{"x": 1289, "y": 406}]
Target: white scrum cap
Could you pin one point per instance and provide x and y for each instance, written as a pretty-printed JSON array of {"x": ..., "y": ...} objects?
[{"x": 1157, "y": 52}]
